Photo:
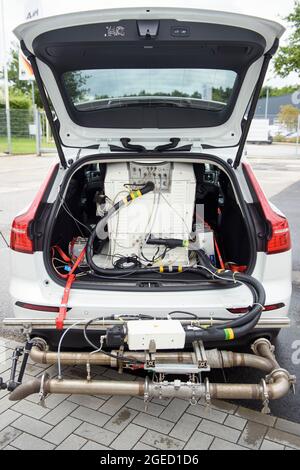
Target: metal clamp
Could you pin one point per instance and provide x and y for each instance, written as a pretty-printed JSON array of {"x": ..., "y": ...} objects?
[
  {"x": 266, "y": 408},
  {"x": 207, "y": 392},
  {"x": 193, "y": 400},
  {"x": 42, "y": 393}
]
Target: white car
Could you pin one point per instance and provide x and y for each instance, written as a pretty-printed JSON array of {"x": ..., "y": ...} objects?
[{"x": 151, "y": 242}]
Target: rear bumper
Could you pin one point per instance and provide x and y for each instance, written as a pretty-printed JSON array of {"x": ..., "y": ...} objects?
[{"x": 31, "y": 284}]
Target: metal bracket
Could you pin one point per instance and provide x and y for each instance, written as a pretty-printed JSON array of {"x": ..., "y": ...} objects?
[{"x": 201, "y": 358}]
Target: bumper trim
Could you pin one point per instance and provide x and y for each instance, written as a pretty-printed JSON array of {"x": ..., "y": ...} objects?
[{"x": 42, "y": 323}]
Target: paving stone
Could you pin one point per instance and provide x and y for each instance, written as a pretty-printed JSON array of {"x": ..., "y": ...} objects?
[
  {"x": 32, "y": 426},
  {"x": 161, "y": 441},
  {"x": 175, "y": 409},
  {"x": 151, "y": 422},
  {"x": 72, "y": 442},
  {"x": 118, "y": 422},
  {"x": 60, "y": 432},
  {"x": 139, "y": 405},
  {"x": 161, "y": 401},
  {"x": 30, "y": 409},
  {"x": 128, "y": 438},
  {"x": 255, "y": 416},
  {"x": 219, "y": 430},
  {"x": 114, "y": 404},
  {"x": 199, "y": 441},
  {"x": 220, "y": 444},
  {"x": 8, "y": 417},
  {"x": 288, "y": 426},
  {"x": 90, "y": 416},
  {"x": 28, "y": 442},
  {"x": 94, "y": 433},
  {"x": 207, "y": 412},
  {"x": 235, "y": 422},
  {"x": 59, "y": 413},
  {"x": 253, "y": 435},
  {"x": 90, "y": 445},
  {"x": 5, "y": 365},
  {"x": 32, "y": 370},
  {"x": 5, "y": 403},
  {"x": 142, "y": 446},
  {"x": 284, "y": 438},
  {"x": 185, "y": 427},
  {"x": 269, "y": 445},
  {"x": 7, "y": 435},
  {"x": 87, "y": 400},
  {"x": 221, "y": 405},
  {"x": 51, "y": 401},
  {"x": 114, "y": 375}
]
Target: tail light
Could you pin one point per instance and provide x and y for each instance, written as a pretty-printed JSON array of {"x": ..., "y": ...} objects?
[
  {"x": 279, "y": 237},
  {"x": 20, "y": 238},
  {"x": 267, "y": 308}
]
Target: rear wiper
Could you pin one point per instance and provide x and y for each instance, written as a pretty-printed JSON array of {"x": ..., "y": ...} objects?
[{"x": 169, "y": 147}]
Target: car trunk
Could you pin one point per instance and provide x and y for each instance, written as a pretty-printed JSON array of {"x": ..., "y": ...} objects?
[{"x": 214, "y": 212}]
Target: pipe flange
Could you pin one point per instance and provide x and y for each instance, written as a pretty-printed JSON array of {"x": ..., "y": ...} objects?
[
  {"x": 40, "y": 343},
  {"x": 255, "y": 345},
  {"x": 270, "y": 377}
]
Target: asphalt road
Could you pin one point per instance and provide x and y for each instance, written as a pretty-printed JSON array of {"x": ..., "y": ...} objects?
[{"x": 277, "y": 168}]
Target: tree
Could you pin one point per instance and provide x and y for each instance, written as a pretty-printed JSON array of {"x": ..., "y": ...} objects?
[
  {"x": 74, "y": 81},
  {"x": 275, "y": 91},
  {"x": 288, "y": 58},
  {"x": 17, "y": 86},
  {"x": 288, "y": 116}
]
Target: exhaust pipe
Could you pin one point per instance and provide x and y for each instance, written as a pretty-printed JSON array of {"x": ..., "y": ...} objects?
[
  {"x": 216, "y": 359},
  {"x": 275, "y": 385}
]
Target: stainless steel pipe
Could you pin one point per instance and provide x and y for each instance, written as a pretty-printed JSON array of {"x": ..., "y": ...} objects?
[
  {"x": 275, "y": 385},
  {"x": 216, "y": 359}
]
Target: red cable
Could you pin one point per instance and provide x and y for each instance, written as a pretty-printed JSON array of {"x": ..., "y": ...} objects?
[{"x": 64, "y": 301}]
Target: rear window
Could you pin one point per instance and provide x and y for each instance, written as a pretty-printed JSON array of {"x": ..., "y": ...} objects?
[{"x": 100, "y": 89}]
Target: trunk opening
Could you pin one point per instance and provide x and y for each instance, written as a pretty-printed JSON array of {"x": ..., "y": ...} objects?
[{"x": 206, "y": 183}]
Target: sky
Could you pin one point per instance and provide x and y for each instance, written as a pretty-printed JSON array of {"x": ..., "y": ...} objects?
[{"x": 14, "y": 14}]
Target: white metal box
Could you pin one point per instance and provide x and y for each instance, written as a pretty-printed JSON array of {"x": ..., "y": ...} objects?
[
  {"x": 166, "y": 215},
  {"x": 167, "y": 334}
]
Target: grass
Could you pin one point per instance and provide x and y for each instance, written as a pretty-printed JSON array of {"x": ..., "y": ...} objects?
[{"x": 22, "y": 145}]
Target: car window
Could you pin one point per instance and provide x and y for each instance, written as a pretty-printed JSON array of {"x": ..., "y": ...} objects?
[{"x": 107, "y": 88}]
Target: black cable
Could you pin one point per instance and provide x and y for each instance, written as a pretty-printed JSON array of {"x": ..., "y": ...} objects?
[
  {"x": 127, "y": 360},
  {"x": 184, "y": 313}
]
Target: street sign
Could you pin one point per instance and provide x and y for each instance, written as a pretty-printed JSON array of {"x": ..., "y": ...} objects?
[{"x": 25, "y": 69}]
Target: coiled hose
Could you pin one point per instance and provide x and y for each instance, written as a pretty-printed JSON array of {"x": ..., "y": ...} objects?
[
  {"x": 238, "y": 327},
  {"x": 230, "y": 330}
]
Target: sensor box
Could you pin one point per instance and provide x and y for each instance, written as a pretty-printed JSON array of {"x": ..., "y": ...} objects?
[{"x": 166, "y": 334}]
